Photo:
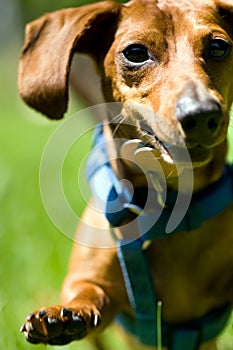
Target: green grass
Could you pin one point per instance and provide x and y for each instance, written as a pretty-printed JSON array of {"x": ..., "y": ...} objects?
[{"x": 34, "y": 254}]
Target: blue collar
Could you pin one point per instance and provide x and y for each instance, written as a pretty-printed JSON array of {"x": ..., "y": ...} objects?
[{"x": 117, "y": 203}]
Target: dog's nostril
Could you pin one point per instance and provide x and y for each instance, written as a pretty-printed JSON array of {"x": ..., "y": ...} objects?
[
  {"x": 190, "y": 124},
  {"x": 212, "y": 124},
  {"x": 200, "y": 114},
  {"x": 200, "y": 123}
]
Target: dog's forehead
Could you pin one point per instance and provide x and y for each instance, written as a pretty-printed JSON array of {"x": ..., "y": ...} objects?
[
  {"x": 162, "y": 18},
  {"x": 182, "y": 4},
  {"x": 151, "y": 11}
]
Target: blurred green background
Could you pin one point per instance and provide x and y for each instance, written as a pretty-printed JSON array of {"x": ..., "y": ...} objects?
[{"x": 34, "y": 254}]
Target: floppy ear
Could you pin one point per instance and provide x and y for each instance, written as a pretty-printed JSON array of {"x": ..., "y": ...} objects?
[
  {"x": 50, "y": 43},
  {"x": 225, "y": 3},
  {"x": 225, "y": 8}
]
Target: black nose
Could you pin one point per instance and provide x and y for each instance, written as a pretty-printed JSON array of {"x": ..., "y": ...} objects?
[{"x": 201, "y": 118}]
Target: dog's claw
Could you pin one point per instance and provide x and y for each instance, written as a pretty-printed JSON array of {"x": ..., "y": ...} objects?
[
  {"x": 58, "y": 325},
  {"x": 52, "y": 320},
  {"x": 96, "y": 320},
  {"x": 23, "y": 328},
  {"x": 30, "y": 317},
  {"x": 40, "y": 314},
  {"x": 65, "y": 312}
]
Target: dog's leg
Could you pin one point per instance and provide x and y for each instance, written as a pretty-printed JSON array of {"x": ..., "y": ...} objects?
[{"x": 90, "y": 298}]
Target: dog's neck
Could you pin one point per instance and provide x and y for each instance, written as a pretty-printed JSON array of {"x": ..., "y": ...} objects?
[{"x": 202, "y": 176}]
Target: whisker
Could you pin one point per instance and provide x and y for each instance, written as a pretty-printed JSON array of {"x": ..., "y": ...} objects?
[
  {"x": 170, "y": 174},
  {"x": 118, "y": 120}
]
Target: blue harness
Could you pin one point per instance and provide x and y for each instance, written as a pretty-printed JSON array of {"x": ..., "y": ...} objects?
[{"x": 117, "y": 204}]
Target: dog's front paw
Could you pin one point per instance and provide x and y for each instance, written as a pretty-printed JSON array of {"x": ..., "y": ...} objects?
[{"x": 59, "y": 325}]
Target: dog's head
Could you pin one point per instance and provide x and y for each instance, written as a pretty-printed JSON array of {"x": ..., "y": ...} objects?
[{"x": 174, "y": 58}]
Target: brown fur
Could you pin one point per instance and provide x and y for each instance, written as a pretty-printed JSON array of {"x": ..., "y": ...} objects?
[{"x": 192, "y": 272}]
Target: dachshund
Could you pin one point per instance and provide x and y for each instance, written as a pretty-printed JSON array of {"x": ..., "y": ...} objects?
[{"x": 168, "y": 65}]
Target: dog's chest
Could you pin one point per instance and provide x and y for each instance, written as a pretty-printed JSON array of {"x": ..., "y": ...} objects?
[{"x": 192, "y": 270}]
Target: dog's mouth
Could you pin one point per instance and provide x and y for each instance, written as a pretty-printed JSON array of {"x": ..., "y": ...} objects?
[
  {"x": 168, "y": 140},
  {"x": 180, "y": 155},
  {"x": 200, "y": 155},
  {"x": 194, "y": 157}
]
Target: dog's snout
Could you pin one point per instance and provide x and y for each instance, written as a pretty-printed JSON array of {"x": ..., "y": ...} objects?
[{"x": 201, "y": 119}]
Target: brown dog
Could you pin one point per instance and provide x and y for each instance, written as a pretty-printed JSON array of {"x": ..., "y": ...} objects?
[{"x": 175, "y": 58}]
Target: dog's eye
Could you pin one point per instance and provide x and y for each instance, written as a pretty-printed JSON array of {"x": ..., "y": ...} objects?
[
  {"x": 219, "y": 49},
  {"x": 136, "y": 53}
]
